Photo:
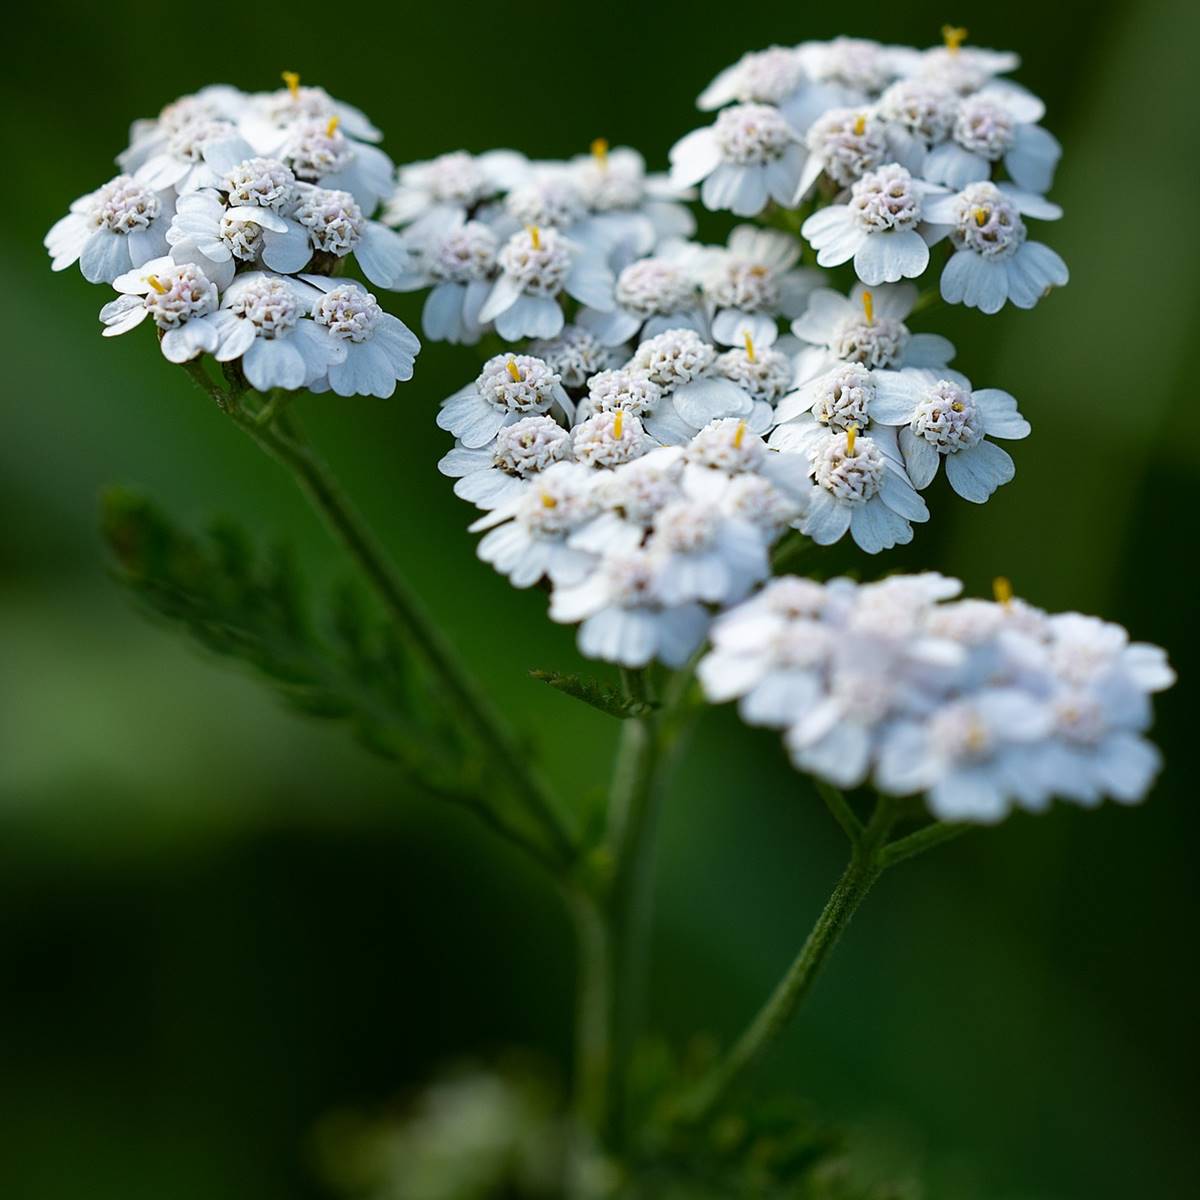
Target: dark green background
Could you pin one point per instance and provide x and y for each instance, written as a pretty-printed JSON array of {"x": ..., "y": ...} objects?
[{"x": 217, "y": 923}]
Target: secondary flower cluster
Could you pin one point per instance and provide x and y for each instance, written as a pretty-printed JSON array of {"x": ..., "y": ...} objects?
[
  {"x": 230, "y": 216},
  {"x": 912, "y": 147},
  {"x": 980, "y": 706}
]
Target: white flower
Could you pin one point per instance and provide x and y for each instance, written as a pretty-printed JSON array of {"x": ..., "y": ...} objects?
[
  {"x": 536, "y": 266},
  {"x": 379, "y": 349},
  {"x": 119, "y": 226},
  {"x": 630, "y": 497},
  {"x": 917, "y": 113},
  {"x": 707, "y": 553},
  {"x": 768, "y": 652},
  {"x": 987, "y": 130},
  {"x": 764, "y": 373},
  {"x": 622, "y": 388},
  {"x": 336, "y": 227},
  {"x": 609, "y": 439},
  {"x": 496, "y": 473},
  {"x": 769, "y": 76},
  {"x": 859, "y": 484},
  {"x": 682, "y": 365},
  {"x": 508, "y": 388},
  {"x": 651, "y": 295},
  {"x": 623, "y": 619},
  {"x": 575, "y": 355},
  {"x": 941, "y": 417},
  {"x": 265, "y": 320},
  {"x": 267, "y": 120},
  {"x": 970, "y": 757},
  {"x": 748, "y": 157},
  {"x": 147, "y": 137},
  {"x": 320, "y": 153},
  {"x": 194, "y": 156},
  {"x": 452, "y": 185},
  {"x": 866, "y": 327},
  {"x": 993, "y": 262},
  {"x": 844, "y": 144},
  {"x": 751, "y": 281},
  {"x": 181, "y": 300},
  {"x": 832, "y": 402},
  {"x": 458, "y": 258},
  {"x": 528, "y": 537},
  {"x": 636, "y": 211},
  {"x": 881, "y": 227},
  {"x": 219, "y": 236},
  {"x": 726, "y": 450}
]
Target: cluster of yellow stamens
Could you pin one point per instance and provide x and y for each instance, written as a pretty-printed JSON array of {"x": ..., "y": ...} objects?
[
  {"x": 981, "y": 216},
  {"x": 954, "y": 36},
  {"x": 292, "y": 79}
]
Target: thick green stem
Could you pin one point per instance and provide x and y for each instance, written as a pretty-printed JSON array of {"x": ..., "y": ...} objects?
[
  {"x": 863, "y": 870},
  {"x": 632, "y": 837},
  {"x": 440, "y": 656},
  {"x": 593, "y": 1018}
]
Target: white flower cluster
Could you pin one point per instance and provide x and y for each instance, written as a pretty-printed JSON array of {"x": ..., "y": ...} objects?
[
  {"x": 980, "y": 706},
  {"x": 911, "y": 148},
  {"x": 656, "y": 360},
  {"x": 231, "y": 216}
]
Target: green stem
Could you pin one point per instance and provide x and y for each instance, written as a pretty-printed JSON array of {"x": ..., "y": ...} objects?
[
  {"x": 317, "y": 481},
  {"x": 840, "y": 810},
  {"x": 933, "y": 835},
  {"x": 631, "y": 842},
  {"x": 593, "y": 1018},
  {"x": 861, "y": 872}
]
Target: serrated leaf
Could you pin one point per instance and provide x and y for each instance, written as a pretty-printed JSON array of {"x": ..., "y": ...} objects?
[
  {"x": 592, "y": 691},
  {"x": 346, "y": 664}
]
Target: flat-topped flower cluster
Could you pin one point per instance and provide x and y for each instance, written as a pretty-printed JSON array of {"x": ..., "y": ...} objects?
[
  {"x": 230, "y": 217},
  {"x": 905, "y": 147},
  {"x": 653, "y": 415},
  {"x": 981, "y": 706}
]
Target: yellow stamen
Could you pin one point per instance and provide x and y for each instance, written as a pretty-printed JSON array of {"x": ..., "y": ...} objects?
[
  {"x": 513, "y": 370},
  {"x": 600, "y": 151},
  {"x": 331, "y": 128},
  {"x": 759, "y": 271},
  {"x": 953, "y": 36},
  {"x": 618, "y": 423},
  {"x": 292, "y": 79},
  {"x": 739, "y": 435},
  {"x": 957, "y": 406},
  {"x": 860, "y": 125},
  {"x": 851, "y": 438},
  {"x": 981, "y": 216},
  {"x": 1002, "y": 590},
  {"x": 157, "y": 284},
  {"x": 868, "y": 303},
  {"x": 535, "y": 236},
  {"x": 548, "y": 501},
  {"x": 749, "y": 346}
]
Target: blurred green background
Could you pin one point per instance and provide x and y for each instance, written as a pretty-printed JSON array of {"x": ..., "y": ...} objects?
[{"x": 217, "y": 922}]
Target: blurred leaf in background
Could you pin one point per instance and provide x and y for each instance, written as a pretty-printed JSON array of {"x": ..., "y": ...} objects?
[{"x": 220, "y": 922}]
